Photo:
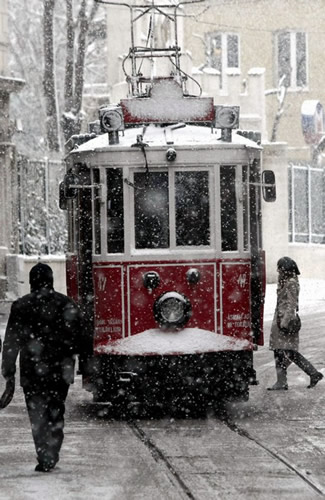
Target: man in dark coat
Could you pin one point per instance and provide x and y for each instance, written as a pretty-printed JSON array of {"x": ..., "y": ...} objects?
[{"x": 45, "y": 327}]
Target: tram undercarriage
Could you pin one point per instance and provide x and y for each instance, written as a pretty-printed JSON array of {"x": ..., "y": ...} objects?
[{"x": 173, "y": 383}]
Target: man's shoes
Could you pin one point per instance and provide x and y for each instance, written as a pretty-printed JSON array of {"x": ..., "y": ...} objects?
[
  {"x": 278, "y": 387},
  {"x": 314, "y": 379},
  {"x": 41, "y": 467}
]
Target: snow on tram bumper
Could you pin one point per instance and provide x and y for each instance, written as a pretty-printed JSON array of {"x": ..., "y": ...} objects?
[
  {"x": 168, "y": 342},
  {"x": 160, "y": 367}
]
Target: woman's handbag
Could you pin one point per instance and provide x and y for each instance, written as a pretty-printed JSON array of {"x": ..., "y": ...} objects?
[{"x": 294, "y": 326}]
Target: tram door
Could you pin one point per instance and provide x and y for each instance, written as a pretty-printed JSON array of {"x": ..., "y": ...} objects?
[{"x": 80, "y": 242}]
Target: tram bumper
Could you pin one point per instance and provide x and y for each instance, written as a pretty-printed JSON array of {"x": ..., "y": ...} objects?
[{"x": 168, "y": 380}]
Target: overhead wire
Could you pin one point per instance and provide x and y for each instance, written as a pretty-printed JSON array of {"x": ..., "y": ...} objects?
[{"x": 187, "y": 75}]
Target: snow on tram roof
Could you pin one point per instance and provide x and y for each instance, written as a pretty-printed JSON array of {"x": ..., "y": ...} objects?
[{"x": 171, "y": 135}]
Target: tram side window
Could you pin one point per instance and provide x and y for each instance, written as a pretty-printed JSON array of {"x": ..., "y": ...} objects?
[
  {"x": 245, "y": 207},
  {"x": 115, "y": 211},
  {"x": 96, "y": 211},
  {"x": 192, "y": 208},
  {"x": 228, "y": 208},
  {"x": 151, "y": 210}
]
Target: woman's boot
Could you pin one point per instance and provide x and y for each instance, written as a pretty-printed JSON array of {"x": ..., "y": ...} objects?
[
  {"x": 314, "y": 379},
  {"x": 307, "y": 367},
  {"x": 281, "y": 384}
]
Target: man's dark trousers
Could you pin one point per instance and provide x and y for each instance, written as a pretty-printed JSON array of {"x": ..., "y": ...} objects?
[{"x": 46, "y": 407}]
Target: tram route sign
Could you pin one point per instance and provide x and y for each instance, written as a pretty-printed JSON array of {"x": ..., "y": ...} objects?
[
  {"x": 167, "y": 104},
  {"x": 108, "y": 304}
]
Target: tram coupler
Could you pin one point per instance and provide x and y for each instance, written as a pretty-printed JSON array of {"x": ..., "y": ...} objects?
[{"x": 127, "y": 377}]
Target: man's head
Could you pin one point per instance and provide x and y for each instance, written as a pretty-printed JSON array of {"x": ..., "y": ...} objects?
[{"x": 40, "y": 276}]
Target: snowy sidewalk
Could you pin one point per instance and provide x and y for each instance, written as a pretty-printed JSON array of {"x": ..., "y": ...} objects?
[{"x": 312, "y": 298}]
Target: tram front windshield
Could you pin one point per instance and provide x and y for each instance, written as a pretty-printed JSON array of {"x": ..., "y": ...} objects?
[
  {"x": 173, "y": 209},
  {"x": 192, "y": 208},
  {"x": 152, "y": 209}
]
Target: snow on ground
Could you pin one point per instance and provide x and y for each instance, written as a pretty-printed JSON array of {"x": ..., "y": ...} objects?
[{"x": 107, "y": 464}]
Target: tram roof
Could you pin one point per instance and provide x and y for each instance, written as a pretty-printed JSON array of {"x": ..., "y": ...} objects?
[{"x": 171, "y": 135}]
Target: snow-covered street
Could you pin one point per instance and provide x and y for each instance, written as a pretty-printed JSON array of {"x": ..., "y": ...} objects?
[{"x": 272, "y": 446}]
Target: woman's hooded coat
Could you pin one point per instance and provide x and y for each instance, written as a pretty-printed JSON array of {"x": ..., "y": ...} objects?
[{"x": 285, "y": 311}]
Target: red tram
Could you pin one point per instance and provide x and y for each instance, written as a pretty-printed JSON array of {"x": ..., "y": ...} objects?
[{"x": 165, "y": 257}]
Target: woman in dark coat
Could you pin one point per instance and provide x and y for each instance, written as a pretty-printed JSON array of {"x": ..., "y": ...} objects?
[{"x": 284, "y": 341}]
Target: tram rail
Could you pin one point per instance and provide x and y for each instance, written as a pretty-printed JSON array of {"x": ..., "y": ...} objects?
[
  {"x": 159, "y": 456},
  {"x": 275, "y": 454}
]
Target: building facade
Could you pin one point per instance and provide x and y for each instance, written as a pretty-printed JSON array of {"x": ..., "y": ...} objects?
[
  {"x": 286, "y": 37},
  {"x": 8, "y": 194}
]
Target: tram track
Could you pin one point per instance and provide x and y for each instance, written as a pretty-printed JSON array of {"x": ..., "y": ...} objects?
[
  {"x": 176, "y": 461},
  {"x": 160, "y": 457}
]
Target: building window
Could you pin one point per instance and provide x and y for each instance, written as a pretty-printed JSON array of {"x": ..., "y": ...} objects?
[
  {"x": 306, "y": 204},
  {"x": 292, "y": 58},
  {"x": 222, "y": 52}
]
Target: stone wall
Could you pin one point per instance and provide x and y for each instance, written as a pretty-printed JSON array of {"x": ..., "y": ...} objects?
[
  {"x": 18, "y": 267},
  {"x": 3, "y": 36},
  {"x": 8, "y": 174}
]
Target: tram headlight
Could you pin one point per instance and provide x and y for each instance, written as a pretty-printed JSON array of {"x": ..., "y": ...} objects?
[
  {"x": 226, "y": 117},
  {"x": 111, "y": 118},
  {"x": 171, "y": 154},
  {"x": 172, "y": 310}
]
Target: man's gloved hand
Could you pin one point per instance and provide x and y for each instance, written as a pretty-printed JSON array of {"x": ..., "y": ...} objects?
[{"x": 8, "y": 393}]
